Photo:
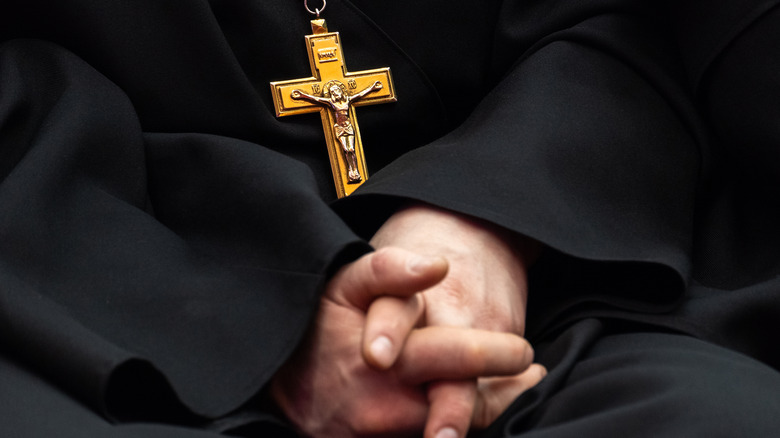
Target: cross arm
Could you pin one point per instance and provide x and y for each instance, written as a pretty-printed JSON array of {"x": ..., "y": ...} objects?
[{"x": 285, "y": 105}]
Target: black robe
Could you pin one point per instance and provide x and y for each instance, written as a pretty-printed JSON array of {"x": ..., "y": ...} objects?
[
  {"x": 731, "y": 52},
  {"x": 164, "y": 238}
]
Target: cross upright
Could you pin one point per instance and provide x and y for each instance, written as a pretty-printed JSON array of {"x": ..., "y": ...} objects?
[{"x": 335, "y": 92}]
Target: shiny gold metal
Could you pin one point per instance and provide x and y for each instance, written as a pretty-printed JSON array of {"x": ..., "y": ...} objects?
[
  {"x": 318, "y": 27},
  {"x": 335, "y": 92}
]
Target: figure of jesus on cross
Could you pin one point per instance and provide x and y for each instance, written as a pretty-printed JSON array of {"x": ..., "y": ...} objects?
[
  {"x": 334, "y": 92},
  {"x": 336, "y": 96}
]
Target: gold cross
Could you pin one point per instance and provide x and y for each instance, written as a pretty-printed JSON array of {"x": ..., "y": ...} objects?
[{"x": 335, "y": 92}]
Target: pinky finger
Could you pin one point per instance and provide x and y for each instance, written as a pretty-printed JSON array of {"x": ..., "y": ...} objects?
[{"x": 495, "y": 394}]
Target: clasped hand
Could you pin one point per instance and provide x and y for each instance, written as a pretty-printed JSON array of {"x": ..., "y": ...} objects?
[{"x": 423, "y": 335}]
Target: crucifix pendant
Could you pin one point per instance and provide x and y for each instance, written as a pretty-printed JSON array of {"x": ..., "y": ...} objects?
[{"x": 335, "y": 92}]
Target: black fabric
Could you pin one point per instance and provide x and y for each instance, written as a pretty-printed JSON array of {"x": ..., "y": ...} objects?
[
  {"x": 165, "y": 237},
  {"x": 609, "y": 381},
  {"x": 734, "y": 299},
  {"x": 602, "y": 383},
  {"x": 738, "y": 96},
  {"x": 33, "y": 407}
]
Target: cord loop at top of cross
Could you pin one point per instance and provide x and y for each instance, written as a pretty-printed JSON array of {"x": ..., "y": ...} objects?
[{"x": 316, "y": 11}]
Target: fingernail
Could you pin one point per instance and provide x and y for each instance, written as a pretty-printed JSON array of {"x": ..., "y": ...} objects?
[
  {"x": 419, "y": 264},
  {"x": 382, "y": 351},
  {"x": 447, "y": 432}
]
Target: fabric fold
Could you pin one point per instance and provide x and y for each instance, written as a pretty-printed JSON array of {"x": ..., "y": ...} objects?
[
  {"x": 580, "y": 148},
  {"x": 194, "y": 273}
]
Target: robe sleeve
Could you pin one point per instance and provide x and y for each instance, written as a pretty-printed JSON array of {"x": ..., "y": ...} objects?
[
  {"x": 731, "y": 58},
  {"x": 153, "y": 266},
  {"x": 585, "y": 145}
]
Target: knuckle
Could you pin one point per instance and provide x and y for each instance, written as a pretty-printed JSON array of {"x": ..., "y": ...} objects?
[
  {"x": 453, "y": 290},
  {"x": 452, "y": 304},
  {"x": 494, "y": 319},
  {"x": 474, "y": 354}
]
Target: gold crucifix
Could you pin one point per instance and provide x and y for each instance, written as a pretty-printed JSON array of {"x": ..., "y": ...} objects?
[{"x": 335, "y": 92}]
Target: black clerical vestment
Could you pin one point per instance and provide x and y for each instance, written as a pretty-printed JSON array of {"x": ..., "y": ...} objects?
[
  {"x": 731, "y": 52},
  {"x": 165, "y": 237}
]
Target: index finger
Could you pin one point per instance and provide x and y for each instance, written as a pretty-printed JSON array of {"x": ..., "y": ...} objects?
[
  {"x": 387, "y": 271},
  {"x": 452, "y": 353}
]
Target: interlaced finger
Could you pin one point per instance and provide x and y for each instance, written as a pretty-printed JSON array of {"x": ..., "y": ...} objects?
[
  {"x": 389, "y": 322},
  {"x": 495, "y": 394},
  {"x": 436, "y": 353},
  {"x": 451, "y": 405},
  {"x": 388, "y": 271}
]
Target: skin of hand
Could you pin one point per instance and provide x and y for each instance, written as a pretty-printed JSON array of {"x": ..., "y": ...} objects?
[
  {"x": 327, "y": 389},
  {"x": 485, "y": 288}
]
